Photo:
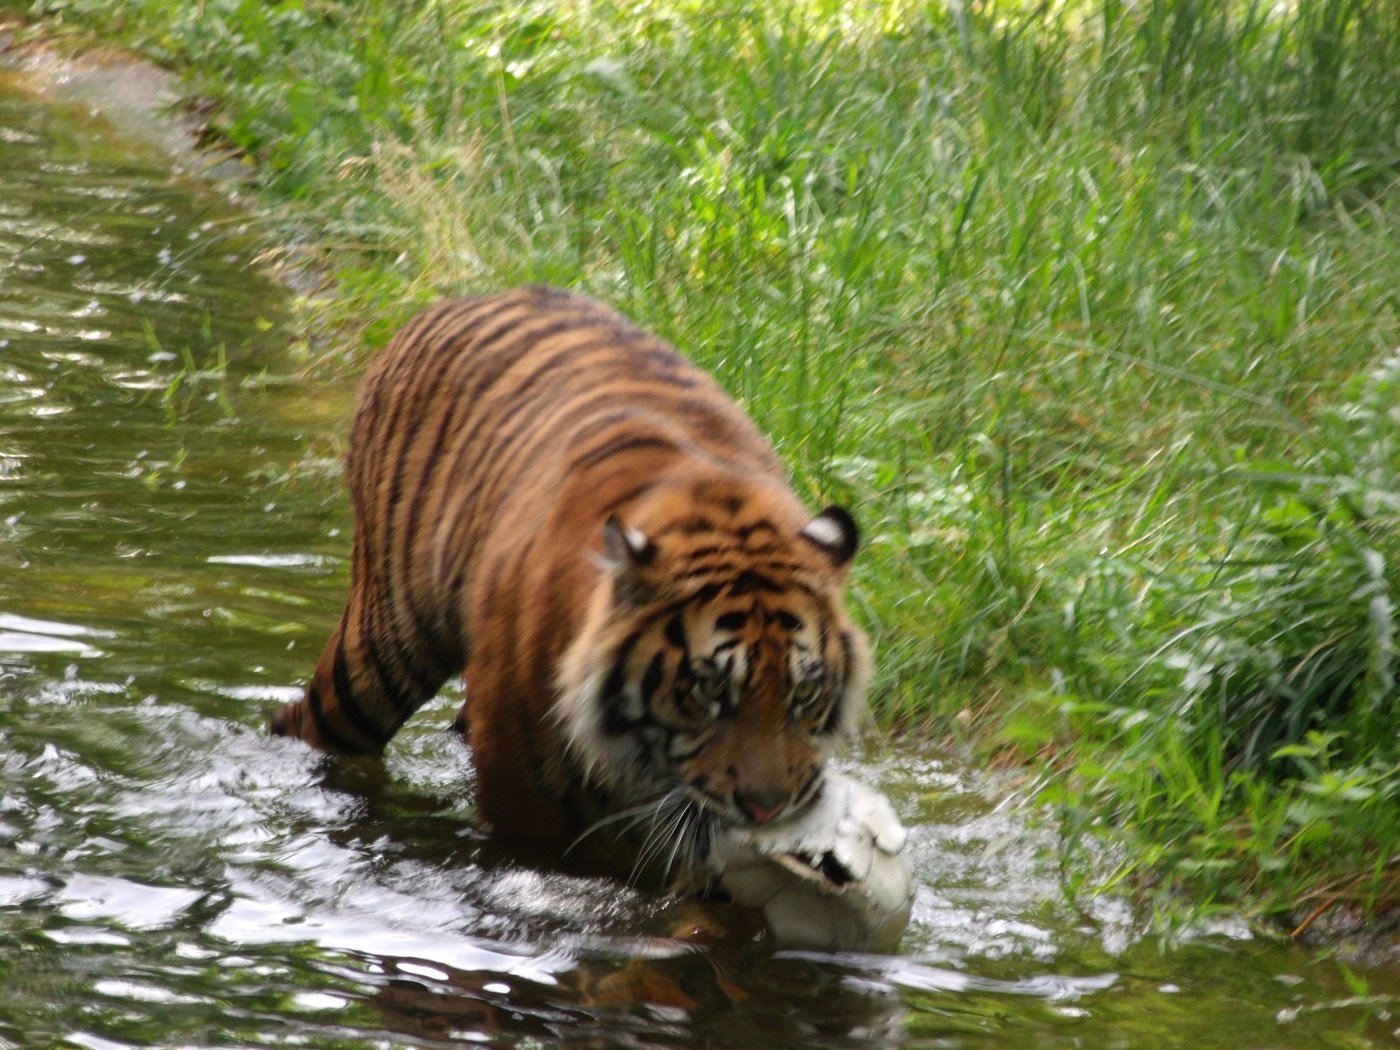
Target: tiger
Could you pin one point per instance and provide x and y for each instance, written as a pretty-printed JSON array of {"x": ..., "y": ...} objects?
[{"x": 649, "y": 624}]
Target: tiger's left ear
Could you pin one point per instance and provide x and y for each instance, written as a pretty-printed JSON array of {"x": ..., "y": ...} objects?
[
  {"x": 834, "y": 532},
  {"x": 628, "y": 553}
]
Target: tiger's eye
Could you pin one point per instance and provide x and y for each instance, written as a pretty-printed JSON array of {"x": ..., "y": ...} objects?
[
  {"x": 711, "y": 683},
  {"x": 713, "y": 688},
  {"x": 805, "y": 689}
]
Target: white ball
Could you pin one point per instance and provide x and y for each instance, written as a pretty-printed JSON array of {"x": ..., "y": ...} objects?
[{"x": 834, "y": 878}]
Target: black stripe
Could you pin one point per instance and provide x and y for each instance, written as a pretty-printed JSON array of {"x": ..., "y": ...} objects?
[
  {"x": 732, "y": 550},
  {"x": 652, "y": 676},
  {"x": 466, "y": 408},
  {"x": 750, "y": 581},
  {"x": 616, "y": 681},
  {"x": 517, "y": 445},
  {"x": 615, "y": 725},
  {"x": 485, "y": 418},
  {"x": 618, "y": 445},
  {"x": 619, "y": 329},
  {"x": 456, "y": 313},
  {"x": 833, "y": 715},
  {"x": 377, "y": 419},
  {"x": 675, "y": 633},
  {"x": 812, "y": 784},
  {"x": 400, "y": 435},
  {"x": 425, "y": 358},
  {"x": 538, "y": 336},
  {"x": 763, "y": 525},
  {"x": 690, "y": 525},
  {"x": 436, "y": 381},
  {"x": 721, "y": 567},
  {"x": 482, "y": 336},
  {"x": 518, "y": 397},
  {"x": 350, "y": 710},
  {"x": 839, "y": 699},
  {"x": 787, "y": 621},
  {"x": 505, "y": 439},
  {"x": 729, "y": 503},
  {"x": 737, "y": 558},
  {"x": 425, "y": 332},
  {"x": 706, "y": 593},
  {"x": 390, "y": 683},
  {"x": 404, "y": 675},
  {"x": 614, "y": 684},
  {"x": 602, "y": 423},
  {"x": 684, "y": 756},
  {"x": 324, "y": 729},
  {"x": 624, "y": 498},
  {"x": 428, "y": 642}
]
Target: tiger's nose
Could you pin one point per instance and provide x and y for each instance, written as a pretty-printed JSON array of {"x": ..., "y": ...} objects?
[{"x": 760, "y": 806}]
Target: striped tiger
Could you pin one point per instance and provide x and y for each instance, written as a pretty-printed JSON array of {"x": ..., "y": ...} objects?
[{"x": 649, "y": 623}]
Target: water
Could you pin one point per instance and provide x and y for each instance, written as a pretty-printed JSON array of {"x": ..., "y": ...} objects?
[{"x": 173, "y": 540}]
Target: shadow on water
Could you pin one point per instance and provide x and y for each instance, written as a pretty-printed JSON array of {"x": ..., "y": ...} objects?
[{"x": 172, "y": 557}]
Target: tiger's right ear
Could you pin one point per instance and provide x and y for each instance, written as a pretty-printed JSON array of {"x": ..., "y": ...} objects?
[
  {"x": 627, "y": 552},
  {"x": 834, "y": 533}
]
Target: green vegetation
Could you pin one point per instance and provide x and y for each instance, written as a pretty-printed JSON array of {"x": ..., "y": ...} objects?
[{"x": 1089, "y": 310}]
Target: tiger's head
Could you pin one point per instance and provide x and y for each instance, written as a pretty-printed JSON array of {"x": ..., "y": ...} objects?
[{"x": 717, "y": 668}]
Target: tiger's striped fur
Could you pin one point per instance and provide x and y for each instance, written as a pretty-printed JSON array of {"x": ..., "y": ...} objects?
[{"x": 650, "y": 623}]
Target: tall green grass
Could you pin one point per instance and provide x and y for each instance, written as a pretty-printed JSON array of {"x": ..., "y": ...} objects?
[{"x": 1087, "y": 309}]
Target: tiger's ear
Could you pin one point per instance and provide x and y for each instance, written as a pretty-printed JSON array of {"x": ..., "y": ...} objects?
[
  {"x": 834, "y": 532},
  {"x": 627, "y": 552}
]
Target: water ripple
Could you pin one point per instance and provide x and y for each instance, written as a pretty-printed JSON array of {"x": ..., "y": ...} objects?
[{"x": 174, "y": 557}]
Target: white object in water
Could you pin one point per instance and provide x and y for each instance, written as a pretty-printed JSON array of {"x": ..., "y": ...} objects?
[{"x": 833, "y": 878}]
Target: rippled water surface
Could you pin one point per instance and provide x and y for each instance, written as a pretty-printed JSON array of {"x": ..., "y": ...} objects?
[{"x": 172, "y": 556}]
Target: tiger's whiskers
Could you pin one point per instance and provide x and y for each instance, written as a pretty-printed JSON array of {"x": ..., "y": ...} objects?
[
  {"x": 670, "y": 810},
  {"x": 634, "y": 815}
]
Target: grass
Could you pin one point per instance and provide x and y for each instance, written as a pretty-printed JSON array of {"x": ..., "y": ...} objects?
[{"x": 1087, "y": 309}]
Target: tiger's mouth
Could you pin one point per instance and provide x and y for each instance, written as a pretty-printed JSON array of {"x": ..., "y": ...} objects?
[{"x": 730, "y": 814}]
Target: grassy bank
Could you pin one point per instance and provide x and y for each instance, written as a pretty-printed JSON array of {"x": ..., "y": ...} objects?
[{"x": 1088, "y": 310}]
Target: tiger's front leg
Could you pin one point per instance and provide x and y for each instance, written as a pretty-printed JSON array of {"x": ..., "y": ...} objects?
[{"x": 369, "y": 680}]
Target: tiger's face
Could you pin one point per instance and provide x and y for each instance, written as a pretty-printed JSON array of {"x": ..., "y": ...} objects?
[
  {"x": 738, "y": 699},
  {"x": 722, "y": 670}
]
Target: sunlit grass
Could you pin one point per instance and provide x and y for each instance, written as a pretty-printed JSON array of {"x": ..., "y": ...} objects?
[{"x": 1080, "y": 307}]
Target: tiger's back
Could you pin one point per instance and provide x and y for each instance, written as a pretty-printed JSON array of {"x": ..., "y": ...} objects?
[{"x": 558, "y": 502}]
